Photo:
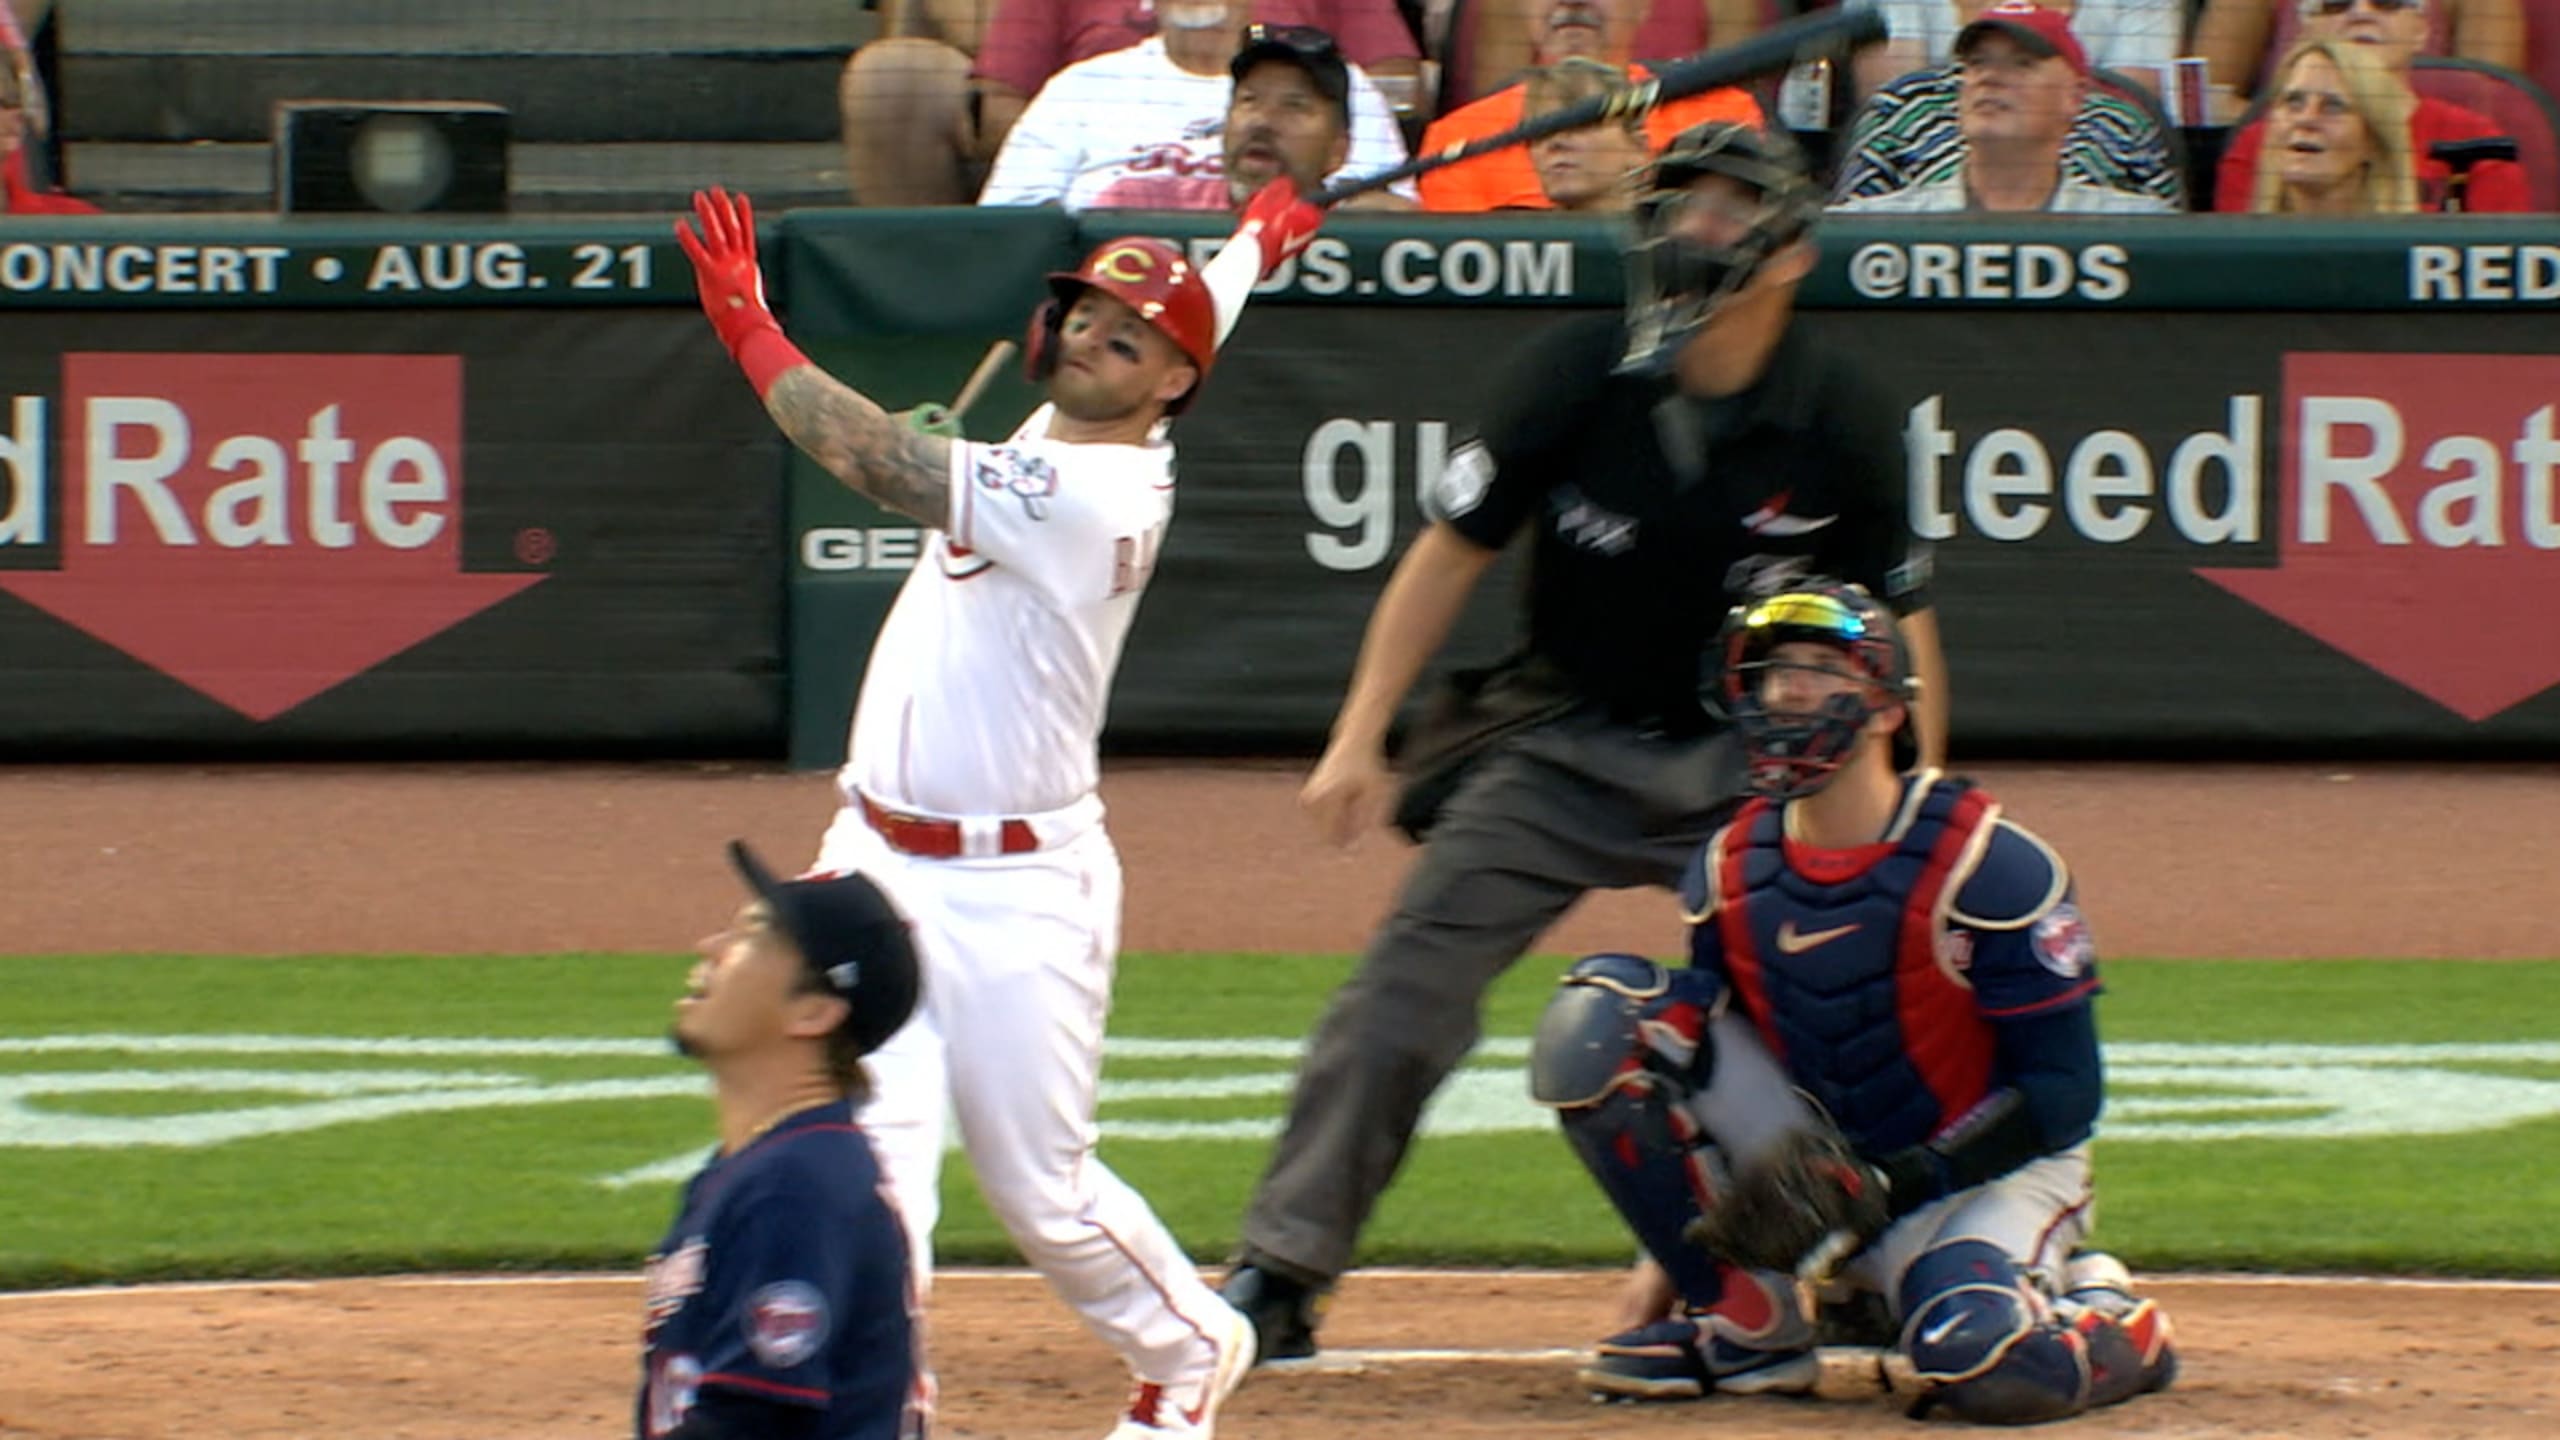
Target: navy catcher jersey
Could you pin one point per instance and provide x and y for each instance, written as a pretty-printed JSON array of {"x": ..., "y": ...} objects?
[
  {"x": 1896, "y": 982},
  {"x": 785, "y": 1278}
]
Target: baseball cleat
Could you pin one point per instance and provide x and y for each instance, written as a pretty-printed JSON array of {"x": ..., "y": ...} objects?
[
  {"x": 1283, "y": 1312},
  {"x": 1188, "y": 1410},
  {"x": 1679, "y": 1359}
]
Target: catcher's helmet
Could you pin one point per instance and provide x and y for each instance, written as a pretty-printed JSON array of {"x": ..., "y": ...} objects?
[
  {"x": 1792, "y": 755},
  {"x": 1149, "y": 276},
  {"x": 1676, "y": 282}
]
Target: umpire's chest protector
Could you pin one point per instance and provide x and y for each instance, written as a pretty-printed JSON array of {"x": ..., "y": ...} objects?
[{"x": 1839, "y": 962}]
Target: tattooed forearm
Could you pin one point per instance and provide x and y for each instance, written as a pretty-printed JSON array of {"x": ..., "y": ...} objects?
[{"x": 863, "y": 445}]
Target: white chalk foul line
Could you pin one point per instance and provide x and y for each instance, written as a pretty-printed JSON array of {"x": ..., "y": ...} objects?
[{"x": 981, "y": 1275}]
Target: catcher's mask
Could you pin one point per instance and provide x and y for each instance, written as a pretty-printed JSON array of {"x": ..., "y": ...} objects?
[
  {"x": 1149, "y": 276},
  {"x": 1676, "y": 280},
  {"x": 1795, "y": 754}
]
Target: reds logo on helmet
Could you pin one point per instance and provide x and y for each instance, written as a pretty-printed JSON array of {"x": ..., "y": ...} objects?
[{"x": 1149, "y": 276}]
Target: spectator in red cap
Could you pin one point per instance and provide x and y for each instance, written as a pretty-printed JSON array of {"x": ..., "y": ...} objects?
[
  {"x": 2137, "y": 37},
  {"x": 2021, "y": 79}
]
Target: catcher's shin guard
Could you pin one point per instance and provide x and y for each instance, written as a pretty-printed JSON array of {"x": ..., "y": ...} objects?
[{"x": 1612, "y": 1055}]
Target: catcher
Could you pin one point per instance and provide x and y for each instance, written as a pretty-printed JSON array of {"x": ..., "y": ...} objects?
[{"x": 1879, "y": 1072}]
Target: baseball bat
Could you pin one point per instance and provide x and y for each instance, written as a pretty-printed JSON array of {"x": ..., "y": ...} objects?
[
  {"x": 1828, "y": 33},
  {"x": 999, "y": 355}
]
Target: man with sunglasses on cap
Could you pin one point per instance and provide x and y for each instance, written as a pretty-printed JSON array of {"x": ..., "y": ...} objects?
[
  {"x": 1157, "y": 110},
  {"x": 1664, "y": 462},
  {"x": 2397, "y": 29},
  {"x": 1879, "y": 1071},
  {"x": 1288, "y": 113},
  {"x": 780, "y": 1303},
  {"x": 969, "y": 789}
]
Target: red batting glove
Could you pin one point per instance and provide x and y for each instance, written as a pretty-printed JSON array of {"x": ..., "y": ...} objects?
[
  {"x": 1280, "y": 222},
  {"x": 732, "y": 287}
]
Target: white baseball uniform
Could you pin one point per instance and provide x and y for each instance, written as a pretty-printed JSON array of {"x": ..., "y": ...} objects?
[{"x": 977, "y": 733}]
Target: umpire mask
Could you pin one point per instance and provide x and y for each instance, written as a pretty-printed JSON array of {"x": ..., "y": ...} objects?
[{"x": 1676, "y": 277}]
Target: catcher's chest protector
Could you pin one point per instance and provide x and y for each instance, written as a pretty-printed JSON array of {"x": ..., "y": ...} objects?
[{"x": 1856, "y": 980}]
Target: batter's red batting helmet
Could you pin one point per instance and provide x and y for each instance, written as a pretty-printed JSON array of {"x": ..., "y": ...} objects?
[{"x": 1149, "y": 276}]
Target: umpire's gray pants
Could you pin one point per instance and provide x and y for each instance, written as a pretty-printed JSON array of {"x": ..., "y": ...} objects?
[{"x": 1578, "y": 804}]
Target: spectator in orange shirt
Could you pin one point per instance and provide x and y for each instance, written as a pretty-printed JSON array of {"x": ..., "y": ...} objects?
[
  {"x": 1595, "y": 168},
  {"x": 1506, "y": 179}
]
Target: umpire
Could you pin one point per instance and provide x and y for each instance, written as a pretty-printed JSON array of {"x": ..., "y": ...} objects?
[{"x": 1669, "y": 463}]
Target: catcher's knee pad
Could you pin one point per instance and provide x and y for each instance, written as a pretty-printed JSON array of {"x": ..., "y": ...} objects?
[
  {"x": 1615, "y": 1016},
  {"x": 1988, "y": 1346}
]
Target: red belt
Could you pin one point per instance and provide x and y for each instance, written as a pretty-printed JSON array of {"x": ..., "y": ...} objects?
[{"x": 940, "y": 839}]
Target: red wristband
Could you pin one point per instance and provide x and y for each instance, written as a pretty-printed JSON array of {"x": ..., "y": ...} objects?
[{"x": 765, "y": 353}]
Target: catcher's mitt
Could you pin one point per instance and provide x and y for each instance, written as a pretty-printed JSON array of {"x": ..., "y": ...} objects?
[{"x": 1810, "y": 1194}]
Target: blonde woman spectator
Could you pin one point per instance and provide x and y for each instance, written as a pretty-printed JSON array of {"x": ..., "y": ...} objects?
[
  {"x": 1594, "y": 168},
  {"x": 2337, "y": 141},
  {"x": 2238, "y": 37},
  {"x": 2391, "y": 33}
]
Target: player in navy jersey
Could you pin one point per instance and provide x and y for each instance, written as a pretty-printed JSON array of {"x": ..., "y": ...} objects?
[
  {"x": 780, "y": 1304},
  {"x": 1884, "y": 963}
]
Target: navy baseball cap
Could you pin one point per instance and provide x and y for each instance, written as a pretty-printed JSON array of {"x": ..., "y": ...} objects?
[
  {"x": 1304, "y": 46},
  {"x": 852, "y": 939}
]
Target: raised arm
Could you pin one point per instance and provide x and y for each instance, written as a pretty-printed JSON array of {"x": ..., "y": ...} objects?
[{"x": 856, "y": 441}]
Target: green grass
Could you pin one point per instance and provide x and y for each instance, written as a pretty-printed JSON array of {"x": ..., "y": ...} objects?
[{"x": 517, "y": 1186}]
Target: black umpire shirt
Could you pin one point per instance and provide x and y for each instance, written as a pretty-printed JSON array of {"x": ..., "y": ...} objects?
[{"x": 1656, "y": 512}]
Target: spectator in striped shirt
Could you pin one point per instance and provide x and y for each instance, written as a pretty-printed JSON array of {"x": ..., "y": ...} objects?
[
  {"x": 1909, "y": 134},
  {"x": 2022, "y": 77}
]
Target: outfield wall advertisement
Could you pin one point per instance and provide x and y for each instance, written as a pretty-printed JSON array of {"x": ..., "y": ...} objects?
[
  {"x": 266, "y": 487},
  {"x": 280, "y": 531}
]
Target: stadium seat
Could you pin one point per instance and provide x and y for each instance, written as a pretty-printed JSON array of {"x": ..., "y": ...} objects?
[{"x": 2521, "y": 108}]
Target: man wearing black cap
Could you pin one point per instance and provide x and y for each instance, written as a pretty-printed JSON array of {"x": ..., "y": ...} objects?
[
  {"x": 780, "y": 1302},
  {"x": 1154, "y": 127}
]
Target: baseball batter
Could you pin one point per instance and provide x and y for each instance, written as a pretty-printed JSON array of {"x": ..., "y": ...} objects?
[
  {"x": 969, "y": 789},
  {"x": 1883, "y": 1057},
  {"x": 780, "y": 1302}
]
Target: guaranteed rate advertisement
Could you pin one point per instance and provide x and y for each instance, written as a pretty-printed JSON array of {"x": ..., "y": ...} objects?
[
  {"x": 425, "y": 531},
  {"x": 2155, "y": 531}
]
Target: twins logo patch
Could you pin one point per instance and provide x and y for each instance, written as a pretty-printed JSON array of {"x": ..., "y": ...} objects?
[
  {"x": 1031, "y": 479},
  {"x": 2062, "y": 942},
  {"x": 786, "y": 1323}
]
